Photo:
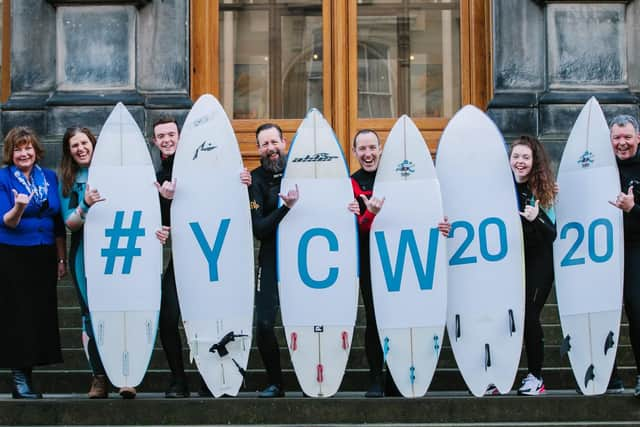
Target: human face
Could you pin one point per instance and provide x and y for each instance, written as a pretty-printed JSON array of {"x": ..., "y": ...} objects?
[
  {"x": 81, "y": 149},
  {"x": 624, "y": 140},
  {"x": 367, "y": 151},
  {"x": 165, "y": 137},
  {"x": 24, "y": 157},
  {"x": 521, "y": 162},
  {"x": 271, "y": 149}
]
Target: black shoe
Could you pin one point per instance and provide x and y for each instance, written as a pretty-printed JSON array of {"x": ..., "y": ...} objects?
[
  {"x": 177, "y": 389},
  {"x": 375, "y": 390},
  {"x": 615, "y": 386},
  {"x": 272, "y": 391},
  {"x": 22, "y": 388}
]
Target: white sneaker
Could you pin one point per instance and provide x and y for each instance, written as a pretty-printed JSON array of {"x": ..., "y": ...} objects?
[{"x": 531, "y": 386}]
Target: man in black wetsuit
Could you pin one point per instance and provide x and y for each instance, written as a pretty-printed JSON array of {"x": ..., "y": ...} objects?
[
  {"x": 165, "y": 138},
  {"x": 625, "y": 136},
  {"x": 264, "y": 193}
]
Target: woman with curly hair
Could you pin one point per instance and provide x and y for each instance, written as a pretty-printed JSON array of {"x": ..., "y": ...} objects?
[{"x": 536, "y": 191}]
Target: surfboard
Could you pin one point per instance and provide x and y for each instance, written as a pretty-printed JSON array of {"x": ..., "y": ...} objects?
[
  {"x": 485, "y": 305},
  {"x": 409, "y": 260},
  {"x": 123, "y": 258},
  {"x": 588, "y": 252},
  {"x": 317, "y": 259},
  {"x": 213, "y": 247}
]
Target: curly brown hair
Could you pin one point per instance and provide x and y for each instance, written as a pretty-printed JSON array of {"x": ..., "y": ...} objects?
[
  {"x": 541, "y": 179},
  {"x": 18, "y": 137},
  {"x": 68, "y": 167}
]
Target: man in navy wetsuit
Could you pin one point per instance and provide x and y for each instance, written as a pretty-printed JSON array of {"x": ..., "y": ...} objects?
[{"x": 264, "y": 194}]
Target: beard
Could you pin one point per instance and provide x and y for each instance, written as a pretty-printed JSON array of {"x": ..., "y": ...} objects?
[{"x": 275, "y": 166}]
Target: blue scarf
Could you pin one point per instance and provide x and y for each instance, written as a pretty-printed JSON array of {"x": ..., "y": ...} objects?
[{"x": 36, "y": 183}]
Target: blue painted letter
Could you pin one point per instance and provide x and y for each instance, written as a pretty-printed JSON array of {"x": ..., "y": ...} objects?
[
  {"x": 211, "y": 254},
  {"x": 302, "y": 258},
  {"x": 407, "y": 239}
]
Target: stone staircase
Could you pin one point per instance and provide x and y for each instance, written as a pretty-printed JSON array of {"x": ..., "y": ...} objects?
[{"x": 446, "y": 403}]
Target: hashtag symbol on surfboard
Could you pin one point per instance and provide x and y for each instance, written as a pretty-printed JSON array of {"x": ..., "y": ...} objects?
[{"x": 128, "y": 252}]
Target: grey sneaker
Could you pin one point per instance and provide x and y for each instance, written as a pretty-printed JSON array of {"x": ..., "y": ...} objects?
[
  {"x": 636, "y": 392},
  {"x": 615, "y": 386}
]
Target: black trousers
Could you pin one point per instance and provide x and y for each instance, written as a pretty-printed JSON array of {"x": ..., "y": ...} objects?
[
  {"x": 169, "y": 324},
  {"x": 632, "y": 296},
  {"x": 372, "y": 346},
  {"x": 539, "y": 279},
  {"x": 267, "y": 306}
]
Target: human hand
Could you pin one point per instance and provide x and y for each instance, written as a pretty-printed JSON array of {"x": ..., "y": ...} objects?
[
  {"x": 21, "y": 200},
  {"x": 626, "y": 202},
  {"x": 374, "y": 205},
  {"x": 92, "y": 196},
  {"x": 290, "y": 198},
  {"x": 245, "y": 177},
  {"x": 354, "y": 207},
  {"x": 163, "y": 234},
  {"x": 167, "y": 189},
  {"x": 444, "y": 227},
  {"x": 531, "y": 212},
  {"x": 62, "y": 270}
]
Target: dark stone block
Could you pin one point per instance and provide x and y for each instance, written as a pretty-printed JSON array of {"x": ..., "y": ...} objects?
[
  {"x": 558, "y": 119},
  {"x": 514, "y": 99},
  {"x": 96, "y": 47},
  {"x": 92, "y": 98},
  {"x": 586, "y": 44},
  {"x": 18, "y": 102},
  {"x": 581, "y": 97},
  {"x": 168, "y": 101},
  {"x": 513, "y": 122},
  {"x": 34, "y": 119},
  {"x": 60, "y": 118}
]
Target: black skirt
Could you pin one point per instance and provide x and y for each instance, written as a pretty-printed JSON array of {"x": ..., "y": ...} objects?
[{"x": 29, "y": 334}]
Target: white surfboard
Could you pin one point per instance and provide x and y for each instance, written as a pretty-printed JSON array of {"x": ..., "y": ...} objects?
[
  {"x": 588, "y": 252},
  {"x": 317, "y": 259},
  {"x": 485, "y": 315},
  {"x": 409, "y": 260},
  {"x": 213, "y": 247},
  {"x": 123, "y": 258}
]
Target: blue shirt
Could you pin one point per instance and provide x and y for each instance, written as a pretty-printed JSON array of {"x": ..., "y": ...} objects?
[{"x": 37, "y": 226}]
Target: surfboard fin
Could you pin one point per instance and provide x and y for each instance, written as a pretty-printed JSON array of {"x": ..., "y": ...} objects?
[
  {"x": 457, "y": 326},
  {"x": 294, "y": 341},
  {"x": 565, "y": 347},
  {"x": 512, "y": 323},
  {"x": 436, "y": 343},
  {"x": 487, "y": 357},
  {"x": 412, "y": 374},
  {"x": 242, "y": 371},
  {"x": 345, "y": 340},
  {"x": 221, "y": 346},
  {"x": 385, "y": 349},
  {"x": 320, "y": 373},
  {"x": 589, "y": 375},
  {"x": 608, "y": 343}
]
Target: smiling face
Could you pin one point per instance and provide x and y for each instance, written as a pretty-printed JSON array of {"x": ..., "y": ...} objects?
[
  {"x": 165, "y": 137},
  {"x": 367, "y": 150},
  {"x": 24, "y": 157},
  {"x": 271, "y": 148},
  {"x": 521, "y": 161},
  {"x": 624, "y": 140},
  {"x": 81, "y": 149}
]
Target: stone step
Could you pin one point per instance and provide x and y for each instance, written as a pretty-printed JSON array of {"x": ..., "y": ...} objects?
[
  {"x": 56, "y": 380},
  {"x": 437, "y": 408}
]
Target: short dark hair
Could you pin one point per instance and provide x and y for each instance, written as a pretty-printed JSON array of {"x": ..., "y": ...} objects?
[
  {"x": 18, "y": 137},
  {"x": 624, "y": 119},
  {"x": 266, "y": 126},
  {"x": 163, "y": 120},
  {"x": 362, "y": 132}
]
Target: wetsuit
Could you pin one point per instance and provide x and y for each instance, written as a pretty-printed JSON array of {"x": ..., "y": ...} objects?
[
  {"x": 362, "y": 183},
  {"x": 630, "y": 175},
  {"x": 74, "y": 209},
  {"x": 265, "y": 216},
  {"x": 538, "y": 255},
  {"x": 169, "y": 307}
]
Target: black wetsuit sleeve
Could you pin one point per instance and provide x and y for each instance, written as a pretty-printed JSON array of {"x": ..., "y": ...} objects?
[{"x": 264, "y": 225}]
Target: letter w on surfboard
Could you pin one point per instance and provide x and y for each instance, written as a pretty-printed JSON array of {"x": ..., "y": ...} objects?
[
  {"x": 408, "y": 260},
  {"x": 213, "y": 247},
  {"x": 485, "y": 313},
  {"x": 588, "y": 252},
  {"x": 317, "y": 259},
  {"x": 123, "y": 258}
]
